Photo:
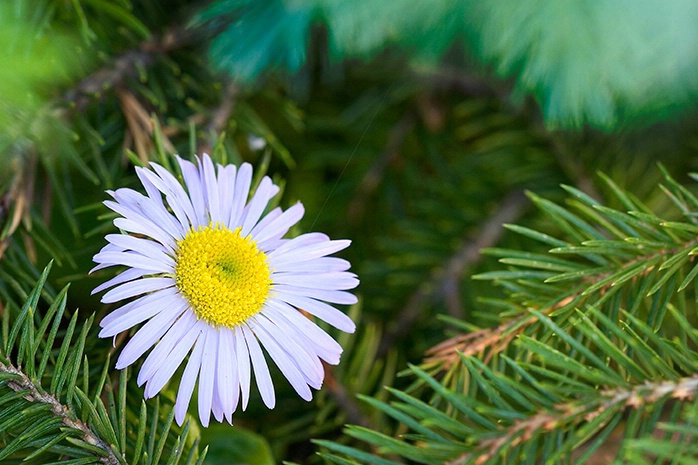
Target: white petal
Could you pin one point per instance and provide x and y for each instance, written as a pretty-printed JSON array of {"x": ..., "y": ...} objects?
[
  {"x": 172, "y": 185},
  {"x": 172, "y": 361},
  {"x": 148, "y": 248},
  {"x": 226, "y": 188},
  {"x": 154, "y": 230},
  {"x": 161, "y": 351},
  {"x": 207, "y": 375},
  {"x": 242, "y": 190},
  {"x": 256, "y": 206},
  {"x": 318, "y": 265},
  {"x": 300, "y": 241},
  {"x": 279, "y": 226},
  {"x": 293, "y": 322},
  {"x": 186, "y": 385},
  {"x": 319, "y": 309},
  {"x": 126, "y": 275},
  {"x": 308, "y": 252},
  {"x": 335, "y": 297},
  {"x": 305, "y": 361},
  {"x": 139, "y": 310},
  {"x": 243, "y": 365},
  {"x": 156, "y": 212},
  {"x": 138, "y": 287},
  {"x": 210, "y": 188},
  {"x": 287, "y": 367},
  {"x": 133, "y": 260},
  {"x": 228, "y": 384},
  {"x": 329, "y": 281},
  {"x": 192, "y": 179},
  {"x": 147, "y": 336},
  {"x": 261, "y": 370},
  {"x": 138, "y": 227}
]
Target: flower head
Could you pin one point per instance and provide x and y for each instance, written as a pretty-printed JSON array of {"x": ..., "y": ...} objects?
[{"x": 215, "y": 279}]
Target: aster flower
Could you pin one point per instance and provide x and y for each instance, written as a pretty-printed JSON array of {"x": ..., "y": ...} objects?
[{"x": 216, "y": 280}]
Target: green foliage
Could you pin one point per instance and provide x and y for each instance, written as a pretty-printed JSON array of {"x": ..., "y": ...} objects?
[{"x": 596, "y": 349}]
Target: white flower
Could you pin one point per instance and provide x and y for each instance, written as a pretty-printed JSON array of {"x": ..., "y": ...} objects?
[{"x": 217, "y": 279}]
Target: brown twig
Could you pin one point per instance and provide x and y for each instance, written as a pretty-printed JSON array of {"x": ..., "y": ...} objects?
[
  {"x": 577, "y": 411},
  {"x": 25, "y": 385},
  {"x": 443, "y": 282}
]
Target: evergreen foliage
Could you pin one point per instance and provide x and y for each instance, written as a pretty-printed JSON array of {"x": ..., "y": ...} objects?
[{"x": 575, "y": 340}]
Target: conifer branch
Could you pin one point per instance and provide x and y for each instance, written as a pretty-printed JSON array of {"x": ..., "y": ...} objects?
[
  {"x": 22, "y": 384},
  {"x": 580, "y": 410}
]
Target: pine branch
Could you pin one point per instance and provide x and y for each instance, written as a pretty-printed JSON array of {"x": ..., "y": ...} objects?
[{"x": 21, "y": 384}]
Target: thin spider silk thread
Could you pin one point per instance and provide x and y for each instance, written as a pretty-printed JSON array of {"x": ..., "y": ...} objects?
[{"x": 380, "y": 105}]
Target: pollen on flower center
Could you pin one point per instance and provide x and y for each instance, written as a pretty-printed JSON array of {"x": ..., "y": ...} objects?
[{"x": 224, "y": 276}]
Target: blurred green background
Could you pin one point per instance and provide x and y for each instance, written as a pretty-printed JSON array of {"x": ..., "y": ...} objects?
[{"x": 411, "y": 127}]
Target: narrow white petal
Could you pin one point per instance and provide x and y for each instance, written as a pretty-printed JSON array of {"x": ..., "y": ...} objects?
[
  {"x": 162, "y": 350},
  {"x": 147, "y": 336},
  {"x": 155, "y": 230},
  {"x": 133, "y": 260},
  {"x": 138, "y": 287},
  {"x": 306, "y": 361},
  {"x": 192, "y": 179},
  {"x": 216, "y": 405},
  {"x": 292, "y": 321},
  {"x": 242, "y": 190},
  {"x": 228, "y": 387},
  {"x": 210, "y": 188},
  {"x": 151, "y": 189},
  {"x": 279, "y": 225},
  {"x": 226, "y": 189},
  {"x": 243, "y": 365},
  {"x": 186, "y": 385},
  {"x": 262, "y": 224},
  {"x": 329, "y": 281},
  {"x": 150, "y": 249},
  {"x": 138, "y": 227},
  {"x": 318, "y": 265},
  {"x": 172, "y": 361},
  {"x": 175, "y": 194},
  {"x": 174, "y": 188},
  {"x": 319, "y": 309},
  {"x": 261, "y": 370},
  {"x": 300, "y": 241},
  {"x": 307, "y": 252},
  {"x": 287, "y": 367},
  {"x": 256, "y": 206},
  {"x": 146, "y": 207},
  {"x": 207, "y": 376},
  {"x": 125, "y": 276},
  {"x": 335, "y": 297},
  {"x": 139, "y": 310}
]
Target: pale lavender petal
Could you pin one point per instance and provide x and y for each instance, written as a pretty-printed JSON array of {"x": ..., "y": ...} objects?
[
  {"x": 138, "y": 227},
  {"x": 261, "y": 370},
  {"x": 134, "y": 288},
  {"x": 287, "y": 367},
  {"x": 216, "y": 406},
  {"x": 318, "y": 265},
  {"x": 242, "y": 190},
  {"x": 293, "y": 322},
  {"x": 243, "y": 365},
  {"x": 226, "y": 188},
  {"x": 133, "y": 260},
  {"x": 210, "y": 188},
  {"x": 300, "y": 241},
  {"x": 156, "y": 212},
  {"x": 327, "y": 281},
  {"x": 150, "y": 249},
  {"x": 335, "y": 297},
  {"x": 191, "y": 372},
  {"x": 154, "y": 230},
  {"x": 307, "y": 252},
  {"x": 256, "y": 207},
  {"x": 228, "y": 384},
  {"x": 207, "y": 376},
  {"x": 130, "y": 315},
  {"x": 319, "y": 309},
  {"x": 279, "y": 225},
  {"x": 172, "y": 361},
  {"x": 307, "y": 363},
  {"x": 126, "y": 275},
  {"x": 172, "y": 185},
  {"x": 192, "y": 178},
  {"x": 147, "y": 336},
  {"x": 161, "y": 351}
]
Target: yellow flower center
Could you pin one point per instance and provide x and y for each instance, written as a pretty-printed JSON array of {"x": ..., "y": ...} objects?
[{"x": 225, "y": 277}]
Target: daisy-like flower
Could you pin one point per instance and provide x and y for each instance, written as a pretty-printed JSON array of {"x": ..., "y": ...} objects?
[{"x": 215, "y": 278}]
